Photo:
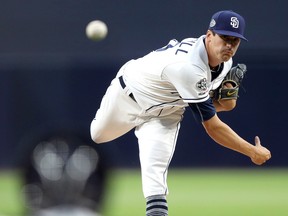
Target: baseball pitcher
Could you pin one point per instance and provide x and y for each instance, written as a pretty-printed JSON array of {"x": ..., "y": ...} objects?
[{"x": 150, "y": 94}]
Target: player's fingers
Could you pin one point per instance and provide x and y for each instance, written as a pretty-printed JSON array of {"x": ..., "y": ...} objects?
[
  {"x": 228, "y": 85},
  {"x": 257, "y": 141}
]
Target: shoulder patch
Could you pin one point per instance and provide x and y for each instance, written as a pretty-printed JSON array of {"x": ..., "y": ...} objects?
[{"x": 202, "y": 84}]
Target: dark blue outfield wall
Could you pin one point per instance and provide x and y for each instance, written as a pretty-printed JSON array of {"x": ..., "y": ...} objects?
[{"x": 53, "y": 95}]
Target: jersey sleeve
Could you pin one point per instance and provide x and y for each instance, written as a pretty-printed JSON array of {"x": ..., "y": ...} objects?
[
  {"x": 190, "y": 82},
  {"x": 203, "y": 111}
]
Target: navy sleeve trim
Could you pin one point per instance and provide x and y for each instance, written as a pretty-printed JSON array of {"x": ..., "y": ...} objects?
[{"x": 203, "y": 111}]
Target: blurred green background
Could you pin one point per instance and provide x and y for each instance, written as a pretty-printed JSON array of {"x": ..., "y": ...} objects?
[{"x": 201, "y": 192}]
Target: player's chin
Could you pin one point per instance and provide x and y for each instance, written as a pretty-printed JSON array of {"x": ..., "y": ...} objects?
[{"x": 226, "y": 57}]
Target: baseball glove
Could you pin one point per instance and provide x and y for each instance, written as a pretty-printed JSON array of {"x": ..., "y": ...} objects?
[{"x": 234, "y": 77}]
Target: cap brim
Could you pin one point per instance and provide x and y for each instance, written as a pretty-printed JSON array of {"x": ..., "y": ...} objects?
[{"x": 230, "y": 33}]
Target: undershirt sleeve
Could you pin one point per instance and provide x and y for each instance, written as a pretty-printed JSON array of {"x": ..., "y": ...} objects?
[{"x": 203, "y": 111}]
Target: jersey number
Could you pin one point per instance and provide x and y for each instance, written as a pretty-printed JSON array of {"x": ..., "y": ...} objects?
[{"x": 174, "y": 43}]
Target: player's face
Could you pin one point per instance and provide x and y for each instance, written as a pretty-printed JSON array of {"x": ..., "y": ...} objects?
[{"x": 222, "y": 47}]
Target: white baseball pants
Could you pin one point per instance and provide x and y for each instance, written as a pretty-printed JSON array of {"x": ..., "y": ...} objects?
[{"x": 157, "y": 136}]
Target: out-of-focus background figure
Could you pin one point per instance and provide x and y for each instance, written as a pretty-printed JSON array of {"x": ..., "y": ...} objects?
[{"x": 63, "y": 175}]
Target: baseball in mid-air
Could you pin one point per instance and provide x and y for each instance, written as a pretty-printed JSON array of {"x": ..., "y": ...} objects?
[{"x": 96, "y": 30}]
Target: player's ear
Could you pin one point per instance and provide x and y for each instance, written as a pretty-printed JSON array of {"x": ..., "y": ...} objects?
[{"x": 209, "y": 34}]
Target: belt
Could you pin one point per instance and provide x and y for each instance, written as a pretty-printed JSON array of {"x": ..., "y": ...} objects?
[{"x": 125, "y": 88}]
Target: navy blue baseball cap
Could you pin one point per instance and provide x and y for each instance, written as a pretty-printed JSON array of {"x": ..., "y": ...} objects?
[{"x": 229, "y": 23}]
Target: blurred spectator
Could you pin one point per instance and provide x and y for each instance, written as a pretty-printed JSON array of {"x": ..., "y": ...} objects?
[{"x": 63, "y": 175}]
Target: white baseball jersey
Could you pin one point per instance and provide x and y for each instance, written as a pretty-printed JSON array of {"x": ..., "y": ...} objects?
[
  {"x": 172, "y": 76},
  {"x": 163, "y": 83}
]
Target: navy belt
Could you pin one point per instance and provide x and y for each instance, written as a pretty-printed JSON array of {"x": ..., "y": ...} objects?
[{"x": 129, "y": 93}]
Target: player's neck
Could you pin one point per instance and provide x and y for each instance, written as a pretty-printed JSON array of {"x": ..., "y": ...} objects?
[
  {"x": 213, "y": 62},
  {"x": 215, "y": 68}
]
